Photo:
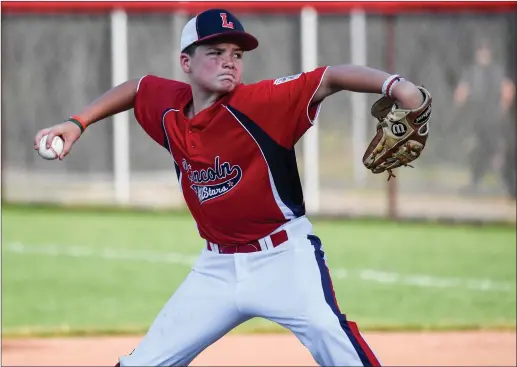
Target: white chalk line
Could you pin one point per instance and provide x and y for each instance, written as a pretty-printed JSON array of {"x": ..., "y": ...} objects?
[{"x": 369, "y": 275}]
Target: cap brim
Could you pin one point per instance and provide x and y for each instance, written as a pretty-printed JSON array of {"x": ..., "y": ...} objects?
[{"x": 245, "y": 40}]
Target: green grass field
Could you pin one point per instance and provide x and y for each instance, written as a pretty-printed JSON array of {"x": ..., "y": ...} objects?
[{"x": 87, "y": 271}]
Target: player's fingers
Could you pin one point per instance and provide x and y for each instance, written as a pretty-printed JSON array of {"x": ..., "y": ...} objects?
[
  {"x": 50, "y": 137},
  {"x": 38, "y": 137},
  {"x": 66, "y": 148}
]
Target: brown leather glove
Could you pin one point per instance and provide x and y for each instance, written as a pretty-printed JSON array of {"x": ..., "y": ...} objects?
[{"x": 401, "y": 134}]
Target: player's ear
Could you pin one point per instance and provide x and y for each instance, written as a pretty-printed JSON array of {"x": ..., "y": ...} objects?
[{"x": 185, "y": 61}]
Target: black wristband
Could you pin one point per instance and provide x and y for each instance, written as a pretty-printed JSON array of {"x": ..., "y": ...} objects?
[{"x": 77, "y": 123}]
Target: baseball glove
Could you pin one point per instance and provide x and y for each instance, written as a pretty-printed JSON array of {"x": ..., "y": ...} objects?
[{"x": 401, "y": 134}]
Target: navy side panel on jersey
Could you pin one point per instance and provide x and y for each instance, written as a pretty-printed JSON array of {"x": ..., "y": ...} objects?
[
  {"x": 166, "y": 143},
  {"x": 177, "y": 168},
  {"x": 281, "y": 162}
]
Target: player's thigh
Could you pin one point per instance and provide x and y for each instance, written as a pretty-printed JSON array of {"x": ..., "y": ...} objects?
[{"x": 200, "y": 312}]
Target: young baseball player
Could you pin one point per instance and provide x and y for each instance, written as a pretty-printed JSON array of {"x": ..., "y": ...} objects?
[{"x": 232, "y": 147}]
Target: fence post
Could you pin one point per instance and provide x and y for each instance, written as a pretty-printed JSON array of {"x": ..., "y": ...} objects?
[
  {"x": 179, "y": 19},
  {"x": 390, "y": 56},
  {"x": 309, "y": 46},
  {"x": 119, "y": 74},
  {"x": 359, "y": 106}
]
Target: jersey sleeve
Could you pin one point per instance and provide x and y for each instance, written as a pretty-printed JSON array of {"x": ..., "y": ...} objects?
[
  {"x": 283, "y": 107},
  {"x": 154, "y": 96}
]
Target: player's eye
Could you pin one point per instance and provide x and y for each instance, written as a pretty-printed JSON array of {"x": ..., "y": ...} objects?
[{"x": 237, "y": 55}]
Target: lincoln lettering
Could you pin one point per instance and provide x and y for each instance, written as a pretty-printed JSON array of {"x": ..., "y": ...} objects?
[
  {"x": 214, "y": 181},
  {"x": 219, "y": 171}
]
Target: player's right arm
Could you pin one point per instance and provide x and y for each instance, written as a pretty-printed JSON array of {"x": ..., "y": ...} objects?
[
  {"x": 149, "y": 96},
  {"x": 117, "y": 99}
]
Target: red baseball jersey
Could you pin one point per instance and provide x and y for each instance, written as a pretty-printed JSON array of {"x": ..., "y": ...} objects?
[{"x": 235, "y": 161}]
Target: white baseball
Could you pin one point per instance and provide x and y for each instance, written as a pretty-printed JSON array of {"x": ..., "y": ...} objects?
[{"x": 55, "y": 149}]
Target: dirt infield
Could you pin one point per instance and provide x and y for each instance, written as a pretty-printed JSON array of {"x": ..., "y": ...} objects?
[{"x": 393, "y": 349}]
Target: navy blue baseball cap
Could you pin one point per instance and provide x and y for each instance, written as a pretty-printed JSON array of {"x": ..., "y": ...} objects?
[{"x": 216, "y": 24}]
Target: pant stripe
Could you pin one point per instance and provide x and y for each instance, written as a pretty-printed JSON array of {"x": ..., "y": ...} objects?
[{"x": 349, "y": 327}]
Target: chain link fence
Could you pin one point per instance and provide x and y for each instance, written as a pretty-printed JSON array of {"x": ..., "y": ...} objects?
[{"x": 53, "y": 65}]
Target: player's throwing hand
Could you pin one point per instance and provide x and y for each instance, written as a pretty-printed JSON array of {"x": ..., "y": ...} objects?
[{"x": 69, "y": 131}]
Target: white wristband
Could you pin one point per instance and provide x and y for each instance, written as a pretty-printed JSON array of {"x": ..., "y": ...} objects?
[{"x": 387, "y": 87}]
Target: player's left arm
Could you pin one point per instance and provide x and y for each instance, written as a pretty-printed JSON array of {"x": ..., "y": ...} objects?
[{"x": 364, "y": 79}]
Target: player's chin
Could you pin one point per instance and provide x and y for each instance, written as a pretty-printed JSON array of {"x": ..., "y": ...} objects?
[{"x": 226, "y": 85}]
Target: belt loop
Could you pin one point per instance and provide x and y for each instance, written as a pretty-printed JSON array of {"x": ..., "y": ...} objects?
[
  {"x": 212, "y": 247},
  {"x": 269, "y": 242},
  {"x": 263, "y": 243}
]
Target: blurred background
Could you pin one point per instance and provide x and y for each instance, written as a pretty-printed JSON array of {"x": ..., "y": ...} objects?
[{"x": 57, "y": 59}]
